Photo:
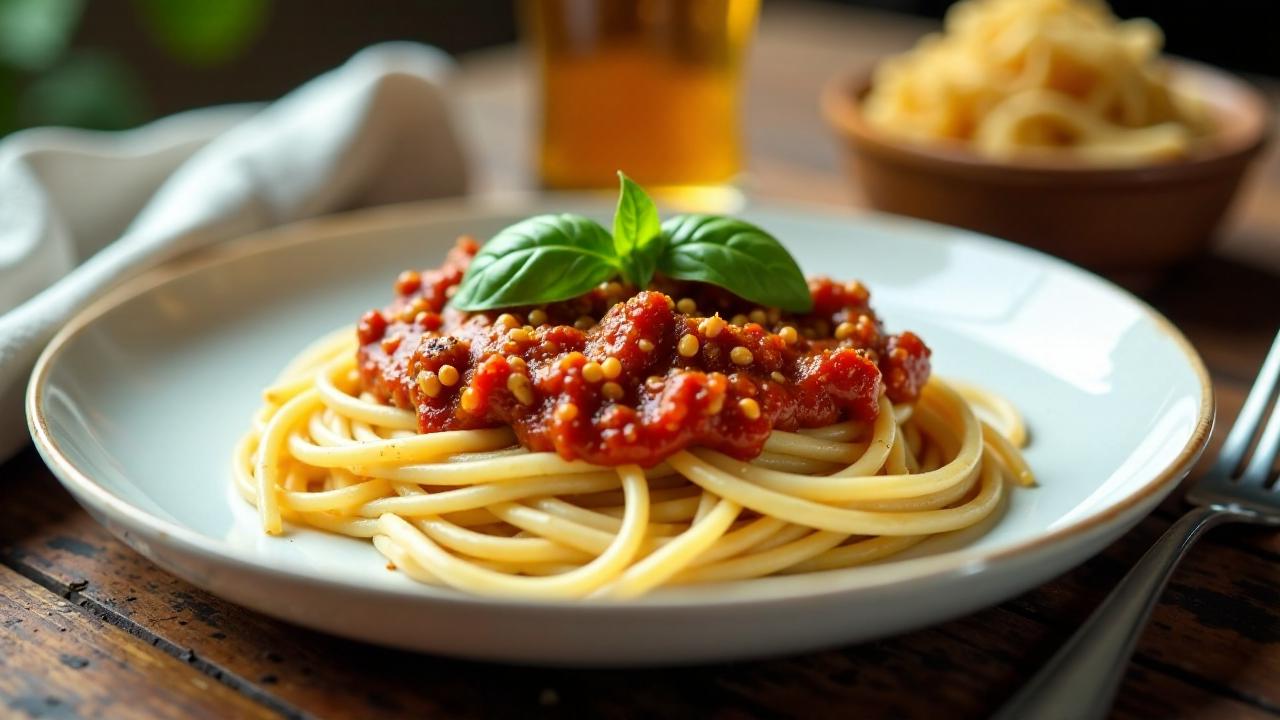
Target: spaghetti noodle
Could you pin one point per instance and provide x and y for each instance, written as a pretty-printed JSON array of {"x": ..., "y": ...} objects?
[{"x": 475, "y": 511}]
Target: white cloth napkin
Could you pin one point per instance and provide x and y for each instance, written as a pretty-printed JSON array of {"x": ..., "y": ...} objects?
[{"x": 82, "y": 211}]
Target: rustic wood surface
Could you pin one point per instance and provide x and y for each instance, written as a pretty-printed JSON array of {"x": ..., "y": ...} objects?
[{"x": 90, "y": 628}]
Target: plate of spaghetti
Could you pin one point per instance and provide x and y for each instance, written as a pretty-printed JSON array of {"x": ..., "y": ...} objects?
[{"x": 518, "y": 434}]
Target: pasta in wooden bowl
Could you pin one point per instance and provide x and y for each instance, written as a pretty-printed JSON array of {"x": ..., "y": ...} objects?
[
  {"x": 1053, "y": 123},
  {"x": 1011, "y": 77}
]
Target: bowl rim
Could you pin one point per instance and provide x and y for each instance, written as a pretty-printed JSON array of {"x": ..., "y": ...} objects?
[{"x": 841, "y": 105}]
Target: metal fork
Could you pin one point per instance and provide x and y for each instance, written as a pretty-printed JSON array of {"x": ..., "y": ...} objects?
[{"x": 1081, "y": 680}]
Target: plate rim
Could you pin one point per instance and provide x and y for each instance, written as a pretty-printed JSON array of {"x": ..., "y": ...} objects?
[{"x": 387, "y": 217}]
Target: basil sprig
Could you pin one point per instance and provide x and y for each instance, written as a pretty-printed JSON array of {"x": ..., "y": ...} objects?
[
  {"x": 549, "y": 258},
  {"x": 737, "y": 256},
  {"x": 540, "y": 260},
  {"x": 637, "y": 235}
]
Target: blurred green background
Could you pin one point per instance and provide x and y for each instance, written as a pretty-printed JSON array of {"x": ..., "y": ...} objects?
[{"x": 112, "y": 64}]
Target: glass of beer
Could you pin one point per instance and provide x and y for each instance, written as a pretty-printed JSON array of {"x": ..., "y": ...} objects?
[{"x": 649, "y": 87}]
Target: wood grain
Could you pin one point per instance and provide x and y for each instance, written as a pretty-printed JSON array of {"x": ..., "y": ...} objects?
[
  {"x": 57, "y": 661},
  {"x": 159, "y": 647}
]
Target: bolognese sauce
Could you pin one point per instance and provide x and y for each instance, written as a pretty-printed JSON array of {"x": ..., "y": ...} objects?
[{"x": 624, "y": 375}]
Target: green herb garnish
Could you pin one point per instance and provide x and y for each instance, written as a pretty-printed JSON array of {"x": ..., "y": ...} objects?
[
  {"x": 735, "y": 255},
  {"x": 637, "y": 234},
  {"x": 549, "y": 258}
]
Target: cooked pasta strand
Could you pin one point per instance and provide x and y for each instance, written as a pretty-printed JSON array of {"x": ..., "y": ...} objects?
[{"x": 473, "y": 511}]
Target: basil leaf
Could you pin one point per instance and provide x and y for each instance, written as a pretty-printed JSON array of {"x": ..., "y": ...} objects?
[
  {"x": 637, "y": 233},
  {"x": 544, "y": 259},
  {"x": 736, "y": 256}
]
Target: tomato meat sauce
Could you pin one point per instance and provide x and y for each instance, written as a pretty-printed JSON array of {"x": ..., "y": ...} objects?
[{"x": 621, "y": 375}]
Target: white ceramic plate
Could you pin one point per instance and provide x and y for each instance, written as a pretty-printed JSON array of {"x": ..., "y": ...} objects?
[{"x": 137, "y": 403}]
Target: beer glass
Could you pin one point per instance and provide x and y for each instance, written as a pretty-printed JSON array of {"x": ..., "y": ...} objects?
[{"x": 649, "y": 87}]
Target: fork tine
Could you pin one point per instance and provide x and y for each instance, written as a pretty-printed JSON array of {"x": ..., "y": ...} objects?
[
  {"x": 1246, "y": 425},
  {"x": 1265, "y": 453}
]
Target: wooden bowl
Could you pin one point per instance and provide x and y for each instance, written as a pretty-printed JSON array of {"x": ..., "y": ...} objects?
[{"x": 1113, "y": 219}]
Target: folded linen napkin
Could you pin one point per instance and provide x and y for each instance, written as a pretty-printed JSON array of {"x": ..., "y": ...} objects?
[{"x": 82, "y": 211}]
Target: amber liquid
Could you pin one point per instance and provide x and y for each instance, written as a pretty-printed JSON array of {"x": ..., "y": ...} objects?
[{"x": 649, "y": 87}]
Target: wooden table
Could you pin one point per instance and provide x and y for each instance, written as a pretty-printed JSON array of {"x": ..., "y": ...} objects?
[{"x": 91, "y": 628}]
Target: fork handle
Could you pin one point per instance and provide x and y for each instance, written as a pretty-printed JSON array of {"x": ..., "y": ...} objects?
[{"x": 1082, "y": 678}]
